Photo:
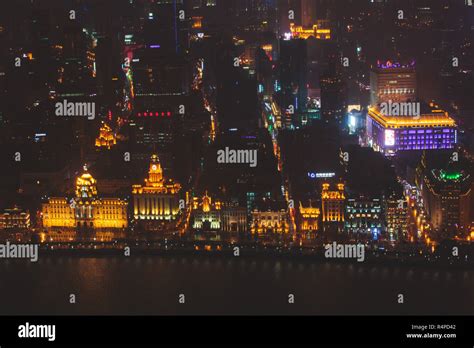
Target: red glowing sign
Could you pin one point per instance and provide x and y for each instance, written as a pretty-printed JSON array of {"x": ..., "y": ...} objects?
[{"x": 154, "y": 113}]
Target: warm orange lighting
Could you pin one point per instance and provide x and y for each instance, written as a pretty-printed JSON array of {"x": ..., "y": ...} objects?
[
  {"x": 158, "y": 199},
  {"x": 437, "y": 118},
  {"x": 106, "y": 137},
  {"x": 303, "y": 33},
  {"x": 197, "y": 22},
  {"x": 86, "y": 185},
  {"x": 333, "y": 203},
  {"x": 86, "y": 210},
  {"x": 309, "y": 217}
]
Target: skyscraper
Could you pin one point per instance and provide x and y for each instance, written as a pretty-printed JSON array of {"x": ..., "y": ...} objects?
[
  {"x": 392, "y": 81},
  {"x": 308, "y": 12},
  {"x": 293, "y": 74}
]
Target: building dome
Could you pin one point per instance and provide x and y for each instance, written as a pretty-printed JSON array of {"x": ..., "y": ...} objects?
[{"x": 86, "y": 185}]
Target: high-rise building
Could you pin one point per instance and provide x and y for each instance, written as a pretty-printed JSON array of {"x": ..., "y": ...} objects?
[
  {"x": 293, "y": 76},
  {"x": 106, "y": 137},
  {"x": 396, "y": 218},
  {"x": 447, "y": 190},
  {"x": 316, "y": 31},
  {"x": 393, "y": 82},
  {"x": 308, "y": 12},
  {"x": 333, "y": 102}
]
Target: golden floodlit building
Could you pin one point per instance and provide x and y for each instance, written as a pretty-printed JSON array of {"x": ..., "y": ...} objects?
[
  {"x": 333, "y": 203},
  {"x": 158, "y": 198},
  {"x": 308, "y": 218},
  {"x": 86, "y": 209},
  {"x": 106, "y": 137},
  {"x": 206, "y": 213},
  {"x": 270, "y": 217}
]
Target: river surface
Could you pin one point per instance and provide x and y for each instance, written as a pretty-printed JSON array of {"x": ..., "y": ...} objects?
[{"x": 151, "y": 285}]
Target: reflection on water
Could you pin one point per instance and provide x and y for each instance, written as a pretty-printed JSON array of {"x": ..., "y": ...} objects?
[{"x": 151, "y": 285}]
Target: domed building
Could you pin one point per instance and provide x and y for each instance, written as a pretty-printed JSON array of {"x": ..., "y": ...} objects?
[{"x": 86, "y": 210}]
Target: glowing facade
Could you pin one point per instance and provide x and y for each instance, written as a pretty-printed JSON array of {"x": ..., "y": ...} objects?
[
  {"x": 428, "y": 131},
  {"x": 333, "y": 203},
  {"x": 447, "y": 192},
  {"x": 300, "y": 32},
  {"x": 234, "y": 218},
  {"x": 396, "y": 218},
  {"x": 393, "y": 81},
  {"x": 15, "y": 218},
  {"x": 206, "y": 213},
  {"x": 86, "y": 209},
  {"x": 270, "y": 217},
  {"x": 106, "y": 137},
  {"x": 364, "y": 216},
  {"x": 309, "y": 218},
  {"x": 158, "y": 199}
]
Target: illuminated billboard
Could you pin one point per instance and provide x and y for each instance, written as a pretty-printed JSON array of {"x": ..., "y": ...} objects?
[{"x": 389, "y": 137}]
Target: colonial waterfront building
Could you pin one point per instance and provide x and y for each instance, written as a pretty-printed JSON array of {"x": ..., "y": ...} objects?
[
  {"x": 333, "y": 203},
  {"x": 234, "y": 217},
  {"x": 364, "y": 217},
  {"x": 15, "y": 218},
  {"x": 308, "y": 217},
  {"x": 86, "y": 210},
  {"x": 270, "y": 217},
  {"x": 206, "y": 213},
  {"x": 158, "y": 198}
]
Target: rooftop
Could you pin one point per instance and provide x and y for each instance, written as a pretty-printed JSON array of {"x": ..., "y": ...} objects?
[{"x": 434, "y": 118}]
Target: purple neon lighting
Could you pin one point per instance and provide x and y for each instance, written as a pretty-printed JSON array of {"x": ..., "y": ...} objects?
[{"x": 389, "y": 65}]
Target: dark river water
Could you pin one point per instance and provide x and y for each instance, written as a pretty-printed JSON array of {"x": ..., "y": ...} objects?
[{"x": 150, "y": 285}]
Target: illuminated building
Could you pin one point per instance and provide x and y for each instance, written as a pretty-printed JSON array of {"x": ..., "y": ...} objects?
[
  {"x": 269, "y": 217},
  {"x": 293, "y": 78},
  {"x": 447, "y": 191},
  {"x": 333, "y": 105},
  {"x": 160, "y": 84},
  {"x": 396, "y": 218},
  {"x": 106, "y": 137},
  {"x": 300, "y": 32},
  {"x": 234, "y": 218},
  {"x": 429, "y": 131},
  {"x": 308, "y": 218},
  {"x": 333, "y": 203},
  {"x": 15, "y": 218},
  {"x": 86, "y": 210},
  {"x": 308, "y": 12},
  {"x": 364, "y": 217},
  {"x": 206, "y": 214},
  {"x": 392, "y": 81},
  {"x": 197, "y": 22},
  {"x": 158, "y": 199}
]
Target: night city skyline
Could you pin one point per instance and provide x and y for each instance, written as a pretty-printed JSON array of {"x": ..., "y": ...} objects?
[{"x": 302, "y": 146}]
